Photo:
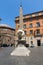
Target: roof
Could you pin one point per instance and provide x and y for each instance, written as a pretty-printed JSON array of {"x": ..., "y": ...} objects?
[
  {"x": 30, "y": 13},
  {"x": 6, "y": 26}
]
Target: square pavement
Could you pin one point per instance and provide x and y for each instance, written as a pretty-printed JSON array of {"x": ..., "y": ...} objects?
[{"x": 35, "y": 58}]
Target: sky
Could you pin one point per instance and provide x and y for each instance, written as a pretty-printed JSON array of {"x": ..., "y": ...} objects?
[{"x": 9, "y": 9}]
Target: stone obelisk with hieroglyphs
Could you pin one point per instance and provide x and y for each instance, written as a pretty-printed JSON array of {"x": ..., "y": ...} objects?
[{"x": 21, "y": 18}]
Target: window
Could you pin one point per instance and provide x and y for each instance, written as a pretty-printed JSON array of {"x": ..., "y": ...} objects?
[
  {"x": 25, "y": 32},
  {"x": 31, "y": 37},
  {"x": 30, "y": 19},
  {"x": 42, "y": 13},
  {"x": 36, "y": 14},
  {"x": 25, "y": 20},
  {"x": 24, "y": 26},
  {"x": 31, "y": 42},
  {"x": 31, "y": 31},
  {"x": 17, "y": 21},
  {"x": 38, "y": 31},
  {"x": 30, "y": 26},
  {"x": 30, "y": 16},
  {"x": 38, "y": 24},
  {"x": 8, "y": 40},
  {"x": 0, "y": 36}
]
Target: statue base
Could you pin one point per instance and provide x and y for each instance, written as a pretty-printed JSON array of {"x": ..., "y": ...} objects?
[{"x": 20, "y": 50}]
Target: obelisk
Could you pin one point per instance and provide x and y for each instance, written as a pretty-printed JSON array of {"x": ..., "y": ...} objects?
[
  {"x": 20, "y": 50},
  {"x": 21, "y": 18}
]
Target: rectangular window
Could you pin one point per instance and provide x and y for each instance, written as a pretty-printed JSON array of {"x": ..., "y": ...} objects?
[
  {"x": 30, "y": 19},
  {"x": 36, "y": 14},
  {"x": 30, "y": 16},
  {"x": 32, "y": 43},
  {"x": 37, "y": 24},
  {"x": 42, "y": 13},
  {"x": 31, "y": 31},
  {"x": 31, "y": 26},
  {"x": 38, "y": 31},
  {"x": 25, "y": 20},
  {"x": 25, "y": 32},
  {"x": 24, "y": 26}
]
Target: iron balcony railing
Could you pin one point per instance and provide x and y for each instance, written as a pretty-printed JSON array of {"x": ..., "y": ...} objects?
[{"x": 38, "y": 35}]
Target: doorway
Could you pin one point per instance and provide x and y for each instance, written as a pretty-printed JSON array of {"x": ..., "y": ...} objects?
[{"x": 39, "y": 42}]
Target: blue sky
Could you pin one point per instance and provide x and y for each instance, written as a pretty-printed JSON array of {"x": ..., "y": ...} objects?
[{"x": 9, "y": 9}]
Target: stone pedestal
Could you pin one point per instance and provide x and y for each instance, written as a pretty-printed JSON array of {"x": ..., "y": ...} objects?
[{"x": 20, "y": 50}]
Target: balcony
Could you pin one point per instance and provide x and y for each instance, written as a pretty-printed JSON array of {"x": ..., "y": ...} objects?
[{"x": 38, "y": 35}]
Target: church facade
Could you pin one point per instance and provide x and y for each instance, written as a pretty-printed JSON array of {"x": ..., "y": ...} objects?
[{"x": 7, "y": 35}]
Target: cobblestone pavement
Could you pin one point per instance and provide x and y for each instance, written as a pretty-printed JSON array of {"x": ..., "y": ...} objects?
[{"x": 35, "y": 58}]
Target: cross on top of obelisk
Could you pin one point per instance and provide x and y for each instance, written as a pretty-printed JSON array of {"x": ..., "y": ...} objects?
[{"x": 20, "y": 3}]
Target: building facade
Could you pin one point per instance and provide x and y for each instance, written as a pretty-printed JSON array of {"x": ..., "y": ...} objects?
[
  {"x": 33, "y": 28},
  {"x": 7, "y": 35}
]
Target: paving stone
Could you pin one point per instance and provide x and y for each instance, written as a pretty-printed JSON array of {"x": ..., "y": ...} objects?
[{"x": 35, "y": 58}]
